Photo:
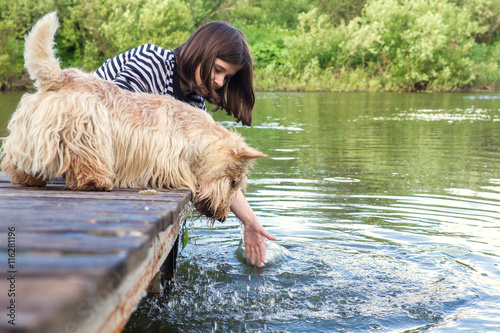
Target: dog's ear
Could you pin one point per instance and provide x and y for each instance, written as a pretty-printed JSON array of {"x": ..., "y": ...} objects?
[{"x": 247, "y": 152}]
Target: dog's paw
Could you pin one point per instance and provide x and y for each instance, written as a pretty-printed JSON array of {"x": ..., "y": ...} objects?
[
  {"x": 94, "y": 185},
  {"x": 19, "y": 177}
]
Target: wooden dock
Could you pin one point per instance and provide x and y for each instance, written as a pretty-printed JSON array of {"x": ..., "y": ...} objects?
[{"x": 81, "y": 261}]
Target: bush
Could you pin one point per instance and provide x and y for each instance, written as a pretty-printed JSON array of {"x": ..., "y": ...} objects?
[
  {"x": 419, "y": 42},
  {"x": 96, "y": 30},
  {"x": 392, "y": 45},
  {"x": 402, "y": 45}
]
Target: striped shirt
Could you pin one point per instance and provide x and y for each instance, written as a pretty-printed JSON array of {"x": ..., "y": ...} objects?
[{"x": 148, "y": 69}]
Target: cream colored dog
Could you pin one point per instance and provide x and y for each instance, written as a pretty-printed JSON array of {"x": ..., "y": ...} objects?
[{"x": 101, "y": 136}]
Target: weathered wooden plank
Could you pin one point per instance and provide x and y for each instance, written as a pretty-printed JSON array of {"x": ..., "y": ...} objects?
[
  {"x": 40, "y": 298},
  {"x": 127, "y": 297},
  {"x": 96, "y": 228},
  {"x": 132, "y": 249},
  {"x": 84, "y": 259},
  {"x": 46, "y": 264},
  {"x": 91, "y": 211},
  {"x": 78, "y": 242},
  {"x": 104, "y": 271},
  {"x": 58, "y": 191},
  {"x": 74, "y": 205},
  {"x": 83, "y": 217}
]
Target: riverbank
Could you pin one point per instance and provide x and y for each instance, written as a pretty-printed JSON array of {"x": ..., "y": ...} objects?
[
  {"x": 310, "y": 45},
  {"x": 344, "y": 83},
  {"x": 278, "y": 83}
]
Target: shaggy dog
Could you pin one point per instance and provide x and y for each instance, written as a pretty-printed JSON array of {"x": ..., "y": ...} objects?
[{"x": 102, "y": 137}]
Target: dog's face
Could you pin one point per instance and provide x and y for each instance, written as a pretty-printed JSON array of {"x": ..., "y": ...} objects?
[{"x": 221, "y": 178}]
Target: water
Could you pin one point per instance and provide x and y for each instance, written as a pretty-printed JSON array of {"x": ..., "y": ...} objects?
[{"x": 386, "y": 208}]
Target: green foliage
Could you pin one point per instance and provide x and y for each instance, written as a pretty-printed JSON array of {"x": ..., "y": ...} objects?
[
  {"x": 487, "y": 15},
  {"x": 95, "y": 30},
  {"x": 90, "y": 31},
  {"x": 262, "y": 12},
  {"x": 185, "y": 236},
  {"x": 392, "y": 45},
  {"x": 340, "y": 11},
  {"x": 418, "y": 42},
  {"x": 395, "y": 45},
  {"x": 15, "y": 18}
]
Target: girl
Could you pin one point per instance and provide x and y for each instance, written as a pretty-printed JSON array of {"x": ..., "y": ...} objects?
[{"x": 215, "y": 65}]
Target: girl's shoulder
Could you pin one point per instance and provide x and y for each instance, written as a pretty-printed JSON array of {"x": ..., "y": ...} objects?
[{"x": 151, "y": 49}]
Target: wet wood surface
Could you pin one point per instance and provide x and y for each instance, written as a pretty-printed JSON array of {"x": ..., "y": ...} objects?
[{"x": 82, "y": 260}]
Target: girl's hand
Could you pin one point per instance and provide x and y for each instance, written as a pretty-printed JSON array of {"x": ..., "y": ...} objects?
[{"x": 255, "y": 246}]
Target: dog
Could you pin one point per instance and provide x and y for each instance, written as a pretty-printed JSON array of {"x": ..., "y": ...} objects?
[{"x": 102, "y": 137}]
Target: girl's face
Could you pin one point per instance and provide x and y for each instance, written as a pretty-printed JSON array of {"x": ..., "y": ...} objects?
[{"x": 221, "y": 73}]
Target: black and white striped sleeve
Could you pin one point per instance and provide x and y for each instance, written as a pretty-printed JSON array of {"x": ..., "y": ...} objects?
[{"x": 141, "y": 69}]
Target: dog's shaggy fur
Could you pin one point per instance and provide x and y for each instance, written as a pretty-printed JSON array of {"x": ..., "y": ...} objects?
[{"x": 101, "y": 136}]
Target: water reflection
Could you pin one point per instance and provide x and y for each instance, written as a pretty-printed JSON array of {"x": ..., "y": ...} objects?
[{"x": 8, "y": 104}]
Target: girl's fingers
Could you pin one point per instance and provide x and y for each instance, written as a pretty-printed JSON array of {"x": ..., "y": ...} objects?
[
  {"x": 268, "y": 236},
  {"x": 262, "y": 253},
  {"x": 247, "y": 252},
  {"x": 252, "y": 256}
]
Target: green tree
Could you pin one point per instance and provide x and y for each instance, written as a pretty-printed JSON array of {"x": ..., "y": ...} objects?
[{"x": 394, "y": 45}]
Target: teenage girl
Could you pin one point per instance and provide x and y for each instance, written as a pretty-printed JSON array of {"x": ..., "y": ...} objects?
[{"x": 215, "y": 65}]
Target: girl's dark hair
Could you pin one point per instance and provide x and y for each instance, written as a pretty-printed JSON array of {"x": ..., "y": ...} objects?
[{"x": 220, "y": 40}]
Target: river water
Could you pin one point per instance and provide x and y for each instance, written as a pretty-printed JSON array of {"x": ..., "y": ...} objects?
[{"x": 386, "y": 209}]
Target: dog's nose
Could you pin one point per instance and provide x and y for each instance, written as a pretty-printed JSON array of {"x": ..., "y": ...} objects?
[{"x": 223, "y": 219}]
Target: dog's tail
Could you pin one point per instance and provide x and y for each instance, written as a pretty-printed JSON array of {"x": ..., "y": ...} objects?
[{"x": 39, "y": 53}]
